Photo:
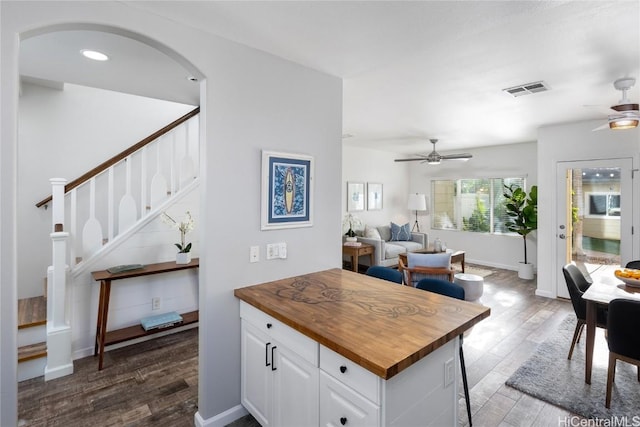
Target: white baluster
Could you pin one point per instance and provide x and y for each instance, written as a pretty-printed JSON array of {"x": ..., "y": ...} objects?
[
  {"x": 73, "y": 226},
  {"x": 127, "y": 213},
  {"x": 111, "y": 213},
  {"x": 144, "y": 178}
]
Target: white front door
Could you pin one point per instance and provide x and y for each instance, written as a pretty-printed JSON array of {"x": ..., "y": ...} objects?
[{"x": 594, "y": 215}]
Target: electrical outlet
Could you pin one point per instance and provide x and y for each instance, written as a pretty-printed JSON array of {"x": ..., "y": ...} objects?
[
  {"x": 254, "y": 254},
  {"x": 282, "y": 252},
  {"x": 155, "y": 303},
  {"x": 449, "y": 372}
]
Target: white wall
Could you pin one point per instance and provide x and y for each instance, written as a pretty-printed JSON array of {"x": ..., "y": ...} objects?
[
  {"x": 490, "y": 162},
  {"x": 64, "y": 134},
  {"x": 569, "y": 142},
  {"x": 250, "y": 101},
  {"x": 365, "y": 165}
]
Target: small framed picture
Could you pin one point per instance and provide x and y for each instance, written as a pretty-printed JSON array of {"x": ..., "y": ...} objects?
[
  {"x": 287, "y": 190},
  {"x": 374, "y": 196},
  {"x": 355, "y": 196}
]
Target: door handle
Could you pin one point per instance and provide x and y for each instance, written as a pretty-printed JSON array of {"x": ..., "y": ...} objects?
[
  {"x": 273, "y": 361},
  {"x": 562, "y": 236},
  {"x": 266, "y": 354}
]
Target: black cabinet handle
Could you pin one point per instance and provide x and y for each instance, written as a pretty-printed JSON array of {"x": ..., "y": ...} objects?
[
  {"x": 343, "y": 420},
  {"x": 266, "y": 354},
  {"x": 343, "y": 369},
  {"x": 273, "y": 361},
  {"x": 269, "y": 325}
]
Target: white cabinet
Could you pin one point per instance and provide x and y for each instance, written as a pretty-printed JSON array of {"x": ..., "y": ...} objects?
[{"x": 279, "y": 372}]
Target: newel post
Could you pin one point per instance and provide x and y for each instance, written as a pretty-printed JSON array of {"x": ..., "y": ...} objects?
[
  {"x": 57, "y": 201},
  {"x": 59, "y": 361}
]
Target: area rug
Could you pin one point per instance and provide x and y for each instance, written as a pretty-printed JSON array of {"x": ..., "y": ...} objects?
[
  {"x": 475, "y": 270},
  {"x": 549, "y": 376}
]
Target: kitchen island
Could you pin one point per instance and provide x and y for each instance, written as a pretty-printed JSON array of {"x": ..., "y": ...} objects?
[{"x": 341, "y": 348}]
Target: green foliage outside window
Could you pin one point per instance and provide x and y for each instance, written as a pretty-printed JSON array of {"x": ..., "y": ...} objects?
[{"x": 479, "y": 219}]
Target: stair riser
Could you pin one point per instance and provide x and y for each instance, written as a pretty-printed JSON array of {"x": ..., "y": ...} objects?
[
  {"x": 31, "y": 368},
  {"x": 32, "y": 335}
]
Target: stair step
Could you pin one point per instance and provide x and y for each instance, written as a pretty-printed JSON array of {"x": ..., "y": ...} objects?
[
  {"x": 32, "y": 312},
  {"x": 31, "y": 352}
]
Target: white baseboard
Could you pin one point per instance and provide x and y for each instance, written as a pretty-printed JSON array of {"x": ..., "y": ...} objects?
[
  {"x": 545, "y": 294},
  {"x": 222, "y": 419},
  {"x": 57, "y": 372}
]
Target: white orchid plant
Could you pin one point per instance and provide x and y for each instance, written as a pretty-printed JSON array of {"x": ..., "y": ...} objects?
[{"x": 185, "y": 226}]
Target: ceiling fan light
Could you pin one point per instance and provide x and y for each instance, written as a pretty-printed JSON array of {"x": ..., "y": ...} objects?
[
  {"x": 433, "y": 162},
  {"x": 620, "y": 124}
]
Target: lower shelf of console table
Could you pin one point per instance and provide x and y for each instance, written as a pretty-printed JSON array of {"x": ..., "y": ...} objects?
[{"x": 132, "y": 332}]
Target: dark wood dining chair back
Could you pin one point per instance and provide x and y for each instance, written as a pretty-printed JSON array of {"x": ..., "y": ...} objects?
[
  {"x": 577, "y": 284},
  {"x": 453, "y": 290},
  {"x": 623, "y": 338}
]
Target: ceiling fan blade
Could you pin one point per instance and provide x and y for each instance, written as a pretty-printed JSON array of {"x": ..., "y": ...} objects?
[
  {"x": 410, "y": 160},
  {"x": 461, "y": 156}
]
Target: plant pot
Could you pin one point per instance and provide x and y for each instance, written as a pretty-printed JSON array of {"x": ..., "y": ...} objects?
[
  {"x": 525, "y": 271},
  {"x": 352, "y": 239},
  {"x": 183, "y": 257}
]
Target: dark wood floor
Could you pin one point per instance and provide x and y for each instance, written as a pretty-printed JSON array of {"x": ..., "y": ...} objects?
[{"x": 155, "y": 383}]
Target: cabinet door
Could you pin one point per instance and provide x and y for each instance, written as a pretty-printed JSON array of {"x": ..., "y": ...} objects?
[
  {"x": 342, "y": 406},
  {"x": 256, "y": 374},
  {"x": 295, "y": 390}
]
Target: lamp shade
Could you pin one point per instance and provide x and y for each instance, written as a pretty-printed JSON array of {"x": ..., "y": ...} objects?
[{"x": 417, "y": 202}]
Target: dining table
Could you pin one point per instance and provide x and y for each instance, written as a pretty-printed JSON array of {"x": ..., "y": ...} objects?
[{"x": 605, "y": 288}]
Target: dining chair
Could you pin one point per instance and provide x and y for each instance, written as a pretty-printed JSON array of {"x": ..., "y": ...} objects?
[
  {"x": 453, "y": 290},
  {"x": 633, "y": 264},
  {"x": 385, "y": 273},
  {"x": 577, "y": 284},
  {"x": 423, "y": 266},
  {"x": 623, "y": 338}
]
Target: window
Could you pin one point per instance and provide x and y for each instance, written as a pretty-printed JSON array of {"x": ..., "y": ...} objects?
[
  {"x": 475, "y": 205},
  {"x": 602, "y": 204}
]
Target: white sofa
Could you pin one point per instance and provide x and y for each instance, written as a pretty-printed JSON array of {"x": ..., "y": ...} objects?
[{"x": 387, "y": 250}]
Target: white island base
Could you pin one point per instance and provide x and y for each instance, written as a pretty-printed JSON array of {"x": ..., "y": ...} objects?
[{"x": 291, "y": 380}]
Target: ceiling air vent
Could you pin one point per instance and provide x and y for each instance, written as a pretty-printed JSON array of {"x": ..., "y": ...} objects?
[{"x": 526, "y": 89}]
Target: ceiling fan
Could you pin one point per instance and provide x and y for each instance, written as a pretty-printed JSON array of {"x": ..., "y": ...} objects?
[
  {"x": 434, "y": 158},
  {"x": 627, "y": 115}
]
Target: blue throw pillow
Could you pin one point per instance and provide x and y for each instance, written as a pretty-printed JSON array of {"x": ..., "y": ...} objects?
[{"x": 400, "y": 233}]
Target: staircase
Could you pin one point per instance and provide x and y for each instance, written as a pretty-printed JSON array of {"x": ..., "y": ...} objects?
[
  {"x": 91, "y": 216},
  {"x": 32, "y": 336}
]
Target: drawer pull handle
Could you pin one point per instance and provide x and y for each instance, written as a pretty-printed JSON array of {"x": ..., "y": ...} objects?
[
  {"x": 269, "y": 325},
  {"x": 343, "y": 369},
  {"x": 343, "y": 420}
]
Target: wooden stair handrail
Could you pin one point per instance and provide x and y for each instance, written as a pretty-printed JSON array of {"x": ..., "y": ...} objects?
[{"x": 123, "y": 155}]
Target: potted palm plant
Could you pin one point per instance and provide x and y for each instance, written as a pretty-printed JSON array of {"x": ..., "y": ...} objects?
[{"x": 522, "y": 210}]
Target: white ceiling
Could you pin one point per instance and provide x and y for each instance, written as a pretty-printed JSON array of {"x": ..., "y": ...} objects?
[{"x": 411, "y": 70}]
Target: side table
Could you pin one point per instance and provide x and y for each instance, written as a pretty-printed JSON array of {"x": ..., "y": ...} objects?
[{"x": 355, "y": 252}]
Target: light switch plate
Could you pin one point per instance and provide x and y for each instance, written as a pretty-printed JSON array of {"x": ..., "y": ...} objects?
[{"x": 254, "y": 254}]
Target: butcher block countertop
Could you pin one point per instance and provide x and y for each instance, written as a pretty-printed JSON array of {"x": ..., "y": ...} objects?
[{"x": 382, "y": 326}]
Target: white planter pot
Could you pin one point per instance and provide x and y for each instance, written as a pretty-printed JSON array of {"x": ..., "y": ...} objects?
[
  {"x": 525, "y": 271},
  {"x": 352, "y": 239},
  {"x": 183, "y": 258}
]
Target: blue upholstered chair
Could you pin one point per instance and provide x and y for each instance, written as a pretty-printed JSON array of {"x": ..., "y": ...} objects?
[
  {"x": 453, "y": 290},
  {"x": 421, "y": 266},
  {"x": 385, "y": 273},
  {"x": 623, "y": 338}
]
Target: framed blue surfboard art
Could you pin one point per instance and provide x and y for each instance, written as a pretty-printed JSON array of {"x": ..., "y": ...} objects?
[{"x": 287, "y": 187}]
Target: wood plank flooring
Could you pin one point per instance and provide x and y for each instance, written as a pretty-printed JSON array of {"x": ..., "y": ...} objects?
[{"x": 155, "y": 383}]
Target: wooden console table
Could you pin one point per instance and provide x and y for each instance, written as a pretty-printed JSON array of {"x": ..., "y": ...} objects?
[{"x": 104, "y": 338}]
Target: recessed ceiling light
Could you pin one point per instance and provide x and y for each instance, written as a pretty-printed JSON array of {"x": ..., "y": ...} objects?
[{"x": 94, "y": 54}]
